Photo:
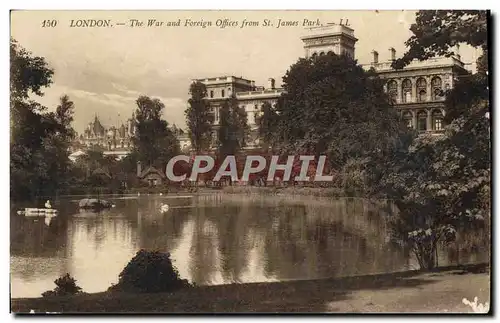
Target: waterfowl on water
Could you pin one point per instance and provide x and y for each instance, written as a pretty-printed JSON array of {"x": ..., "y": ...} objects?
[
  {"x": 164, "y": 208},
  {"x": 48, "y": 205}
]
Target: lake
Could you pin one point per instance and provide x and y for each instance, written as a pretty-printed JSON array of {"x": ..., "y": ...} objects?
[{"x": 213, "y": 239}]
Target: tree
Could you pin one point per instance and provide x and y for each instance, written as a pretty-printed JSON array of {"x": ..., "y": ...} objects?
[
  {"x": 438, "y": 187},
  {"x": 30, "y": 126},
  {"x": 332, "y": 106},
  {"x": 154, "y": 142},
  {"x": 442, "y": 184},
  {"x": 267, "y": 122},
  {"x": 199, "y": 119},
  {"x": 28, "y": 73},
  {"x": 57, "y": 144},
  {"x": 437, "y": 32},
  {"x": 233, "y": 127}
]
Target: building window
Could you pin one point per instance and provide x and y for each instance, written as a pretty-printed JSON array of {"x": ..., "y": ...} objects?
[
  {"x": 422, "y": 121},
  {"x": 406, "y": 91},
  {"x": 408, "y": 118},
  {"x": 421, "y": 90},
  {"x": 330, "y": 53},
  {"x": 392, "y": 90},
  {"x": 437, "y": 88},
  {"x": 322, "y": 54},
  {"x": 314, "y": 55},
  {"x": 422, "y": 95},
  {"x": 437, "y": 120},
  {"x": 223, "y": 93},
  {"x": 211, "y": 94}
]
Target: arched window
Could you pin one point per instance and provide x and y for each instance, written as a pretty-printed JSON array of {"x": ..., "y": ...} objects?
[
  {"x": 322, "y": 54},
  {"x": 330, "y": 52},
  {"x": 406, "y": 91},
  {"x": 421, "y": 90},
  {"x": 422, "y": 121},
  {"x": 437, "y": 88},
  {"x": 437, "y": 120},
  {"x": 408, "y": 118},
  {"x": 392, "y": 90},
  {"x": 314, "y": 55},
  {"x": 422, "y": 95}
]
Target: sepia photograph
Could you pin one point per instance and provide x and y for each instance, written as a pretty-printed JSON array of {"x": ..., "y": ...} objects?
[{"x": 272, "y": 161}]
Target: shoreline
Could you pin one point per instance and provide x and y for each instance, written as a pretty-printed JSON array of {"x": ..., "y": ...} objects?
[
  {"x": 440, "y": 291},
  {"x": 229, "y": 190}
]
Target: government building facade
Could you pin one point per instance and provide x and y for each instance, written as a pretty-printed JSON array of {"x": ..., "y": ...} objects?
[{"x": 417, "y": 91}]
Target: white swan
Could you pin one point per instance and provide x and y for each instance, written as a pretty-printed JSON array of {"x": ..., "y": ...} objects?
[
  {"x": 48, "y": 205},
  {"x": 164, "y": 208}
]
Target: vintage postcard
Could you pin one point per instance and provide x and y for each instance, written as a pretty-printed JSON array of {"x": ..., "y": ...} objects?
[{"x": 250, "y": 161}]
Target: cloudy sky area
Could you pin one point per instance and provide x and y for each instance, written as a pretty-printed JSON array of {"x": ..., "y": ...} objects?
[{"x": 104, "y": 70}]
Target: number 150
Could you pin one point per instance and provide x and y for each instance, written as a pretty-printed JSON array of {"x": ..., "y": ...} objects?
[{"x": 49, "y": 23}]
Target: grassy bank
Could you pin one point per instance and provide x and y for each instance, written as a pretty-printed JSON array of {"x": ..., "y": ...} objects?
[
  {"x": 290, "y": 190},
  {"x": 440, "y": 291}
]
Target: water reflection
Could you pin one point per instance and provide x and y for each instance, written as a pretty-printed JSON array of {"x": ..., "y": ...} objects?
[{"x": 212, "y": 240}]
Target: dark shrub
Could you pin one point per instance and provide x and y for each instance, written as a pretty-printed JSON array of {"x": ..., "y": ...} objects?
[
  {"x": 65, "y": 285},
  {"x": 150, "y": 272}
]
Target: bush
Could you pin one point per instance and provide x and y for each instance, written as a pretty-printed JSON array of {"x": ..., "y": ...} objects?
[
  {"x": 65, "y": 285},
  {"x": 150, "y": 272}
]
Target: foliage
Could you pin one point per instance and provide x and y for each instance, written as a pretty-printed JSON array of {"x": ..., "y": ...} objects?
[
  {"x": 39, "y": 140},
  {"x": 437, "y": 32},
  {"x": 65, "y": 285},
  {"x": 154, "y": 142},
  {"x": 440, "y": 184},
  {"x": 150, "y": 272},
  {"x": 28, "y": 74},
  {"x": 233, "y": 127},
  {"x": 198, "y": 117},
  {"x": 267, "y": 121},
  {"x": 353, "y": 177},
  {"x": 333, "y": 107}
]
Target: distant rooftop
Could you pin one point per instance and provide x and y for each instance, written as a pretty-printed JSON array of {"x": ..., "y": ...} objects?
[
  {"x": 224, "y": 79},
  {"x": 416, "y": 64},
  {"x": 328, "y": 29}
]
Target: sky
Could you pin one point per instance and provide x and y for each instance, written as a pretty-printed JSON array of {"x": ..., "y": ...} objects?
[{"x": 105, "y": 69}]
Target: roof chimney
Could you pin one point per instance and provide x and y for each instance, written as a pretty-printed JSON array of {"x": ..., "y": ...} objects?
[
  {"x": 392, "y": 51},
  {"x": 272, "y": 83},
  {"x": 375, "y": 57}
]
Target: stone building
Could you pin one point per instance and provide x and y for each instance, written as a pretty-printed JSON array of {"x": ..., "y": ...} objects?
[
  {"x": 417, "y": 91},
  {"x": 249, "y": 96},
  {"x": 332, "y": 38},
  {"x": 110, "y": 139}
]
